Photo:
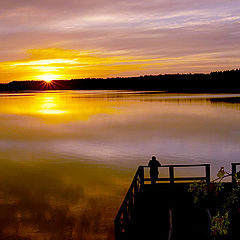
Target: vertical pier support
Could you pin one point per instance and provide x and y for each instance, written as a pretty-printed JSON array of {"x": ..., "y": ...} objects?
[
  {"x": 234, "y": 171},
  {"x": 208, "y": 173},
  {"x": 171, "y": 174}
]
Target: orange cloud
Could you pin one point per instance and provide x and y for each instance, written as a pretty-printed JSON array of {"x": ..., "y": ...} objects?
[
  {"x": 61, "y": 64},
  {"x": 66, "y": 64},
  {"x": 55, "y": 63}
]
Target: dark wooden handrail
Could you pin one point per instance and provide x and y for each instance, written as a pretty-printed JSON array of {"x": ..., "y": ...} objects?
[
  {"x": 182, "y": 165},
  {"x": 172, "y": 179}
]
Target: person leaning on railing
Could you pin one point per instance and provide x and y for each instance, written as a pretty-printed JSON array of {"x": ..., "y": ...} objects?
[{"x": 154, "y": 164}]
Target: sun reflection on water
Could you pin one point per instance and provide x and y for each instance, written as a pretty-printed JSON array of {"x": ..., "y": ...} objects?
[
  {"x": 64, "y": 104},
  {"x": 51, "y": 105}
]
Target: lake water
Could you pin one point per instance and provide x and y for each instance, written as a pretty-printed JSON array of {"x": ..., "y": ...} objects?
[{"x": 67, "y": 158}]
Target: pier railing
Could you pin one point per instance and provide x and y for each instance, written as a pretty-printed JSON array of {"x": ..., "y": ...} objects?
[
  {"x": 126, "y": 212},
  {"x": 173, "y": 179}
]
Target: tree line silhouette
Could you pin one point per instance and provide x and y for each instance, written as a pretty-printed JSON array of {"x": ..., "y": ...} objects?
[{"x": 221, "y": 81}]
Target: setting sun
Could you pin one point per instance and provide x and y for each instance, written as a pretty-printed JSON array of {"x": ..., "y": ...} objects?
[{"x": 48, "y": 77}]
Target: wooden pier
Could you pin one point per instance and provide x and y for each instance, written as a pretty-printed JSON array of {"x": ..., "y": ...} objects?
[{"x": 165, "y": 210}]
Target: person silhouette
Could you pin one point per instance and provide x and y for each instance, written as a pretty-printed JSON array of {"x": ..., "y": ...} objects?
[{"x": 154, "y": 164}]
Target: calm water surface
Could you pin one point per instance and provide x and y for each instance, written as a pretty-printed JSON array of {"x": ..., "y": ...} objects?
[{"x": 68, "y": 157}]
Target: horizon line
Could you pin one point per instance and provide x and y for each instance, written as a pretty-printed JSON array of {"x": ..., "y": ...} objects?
[{"x": 160, "y": 74}]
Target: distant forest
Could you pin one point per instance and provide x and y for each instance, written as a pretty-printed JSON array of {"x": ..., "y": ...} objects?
[{"x": 223, "y": 81}]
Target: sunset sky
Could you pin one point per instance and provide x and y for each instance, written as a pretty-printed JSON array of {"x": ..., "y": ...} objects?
[{"x": 59, "y": 39}]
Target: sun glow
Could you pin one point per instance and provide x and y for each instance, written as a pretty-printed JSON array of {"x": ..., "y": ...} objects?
[{"x": 48, "y": 77}]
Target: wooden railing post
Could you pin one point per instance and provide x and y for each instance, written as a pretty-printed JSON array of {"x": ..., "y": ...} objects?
[
  {"x": 117, "y": 230},
  {"x": 207, "y": 167},
  {"x": 234, "y": 171},
  {"x": 141, "y": 175},
  {"x": 135, "y": 190},
  {"x": 171, "y": 174}
]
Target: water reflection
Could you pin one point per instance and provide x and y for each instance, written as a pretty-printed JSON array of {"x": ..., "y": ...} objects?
[
  {"x": 50, "y": 105},
  {"x": 68, "y": 157},
  {"x": 67, "y": 106},
  {"x": 64, "y": 201},
  {"x": 232, "y": 102}
]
